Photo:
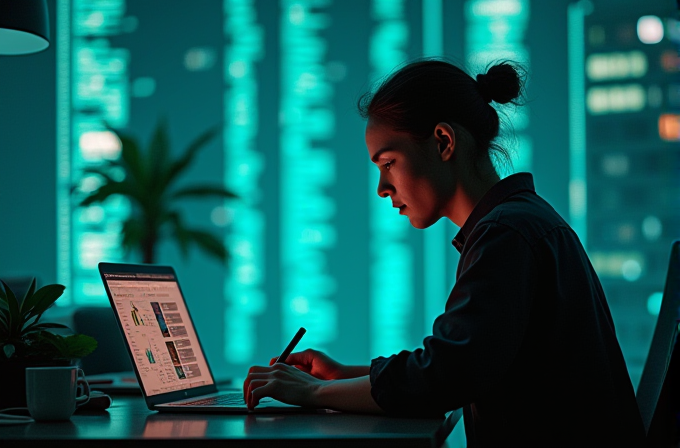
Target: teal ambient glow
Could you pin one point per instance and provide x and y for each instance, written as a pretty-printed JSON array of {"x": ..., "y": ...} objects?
[
  {"x": 307, "y": 170},
  {"x": 243, "y": 165},
  {"x": 392, "y": 301},
  {"x": 578, "y": 200},
  {"x": 93, "y": 89},
  {"x": 495, "y": 31},
  {"x": 436, "y": 273}
]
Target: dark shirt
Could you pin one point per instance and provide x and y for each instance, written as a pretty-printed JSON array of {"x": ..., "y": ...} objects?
[{"x": 526, "y": 344}]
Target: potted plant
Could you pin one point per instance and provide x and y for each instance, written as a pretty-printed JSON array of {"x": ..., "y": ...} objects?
[
  {"x": 148, "y": 180},
  {"x": 26, "y": 341}
]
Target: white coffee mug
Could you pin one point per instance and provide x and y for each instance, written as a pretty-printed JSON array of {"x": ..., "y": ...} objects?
[{"x": 51, "y": 391}]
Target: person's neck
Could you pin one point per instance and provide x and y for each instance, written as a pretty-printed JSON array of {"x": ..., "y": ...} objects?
[{"x": 470, "y": 189}]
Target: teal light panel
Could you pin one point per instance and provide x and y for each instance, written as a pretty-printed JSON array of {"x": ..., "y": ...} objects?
[
  {"x": 495, "y": 31},
  {"x": 243, "y": 165},
  {"x": 391, "y": 271},
  {"x": 93, "y": 90},
  {"x": 436, "y": 273},
  {"x": 307, "y": 170},
  {"x": 578, "y": 199}
]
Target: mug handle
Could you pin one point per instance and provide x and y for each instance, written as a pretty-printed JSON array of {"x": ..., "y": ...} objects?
[{"x": 82, "y": 382}]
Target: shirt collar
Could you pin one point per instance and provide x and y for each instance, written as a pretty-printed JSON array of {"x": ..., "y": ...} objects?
[{"x": 496, "y": 195}]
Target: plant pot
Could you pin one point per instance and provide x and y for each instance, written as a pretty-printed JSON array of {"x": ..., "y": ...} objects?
[{"x": 13, "y": 389}]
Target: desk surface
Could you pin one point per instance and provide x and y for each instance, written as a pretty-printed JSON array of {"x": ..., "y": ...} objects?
[{"x": 130, "y": 424}]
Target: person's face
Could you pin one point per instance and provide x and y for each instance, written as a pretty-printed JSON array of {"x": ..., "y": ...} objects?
[{"x": 412, "y": 174}]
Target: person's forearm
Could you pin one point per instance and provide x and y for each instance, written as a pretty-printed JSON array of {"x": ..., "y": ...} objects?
[
  {"x": 351, "y": 395},
  {"x": 356, "y": 371}
]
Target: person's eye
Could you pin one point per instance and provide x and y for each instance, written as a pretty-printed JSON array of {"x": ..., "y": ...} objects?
[{"x": 387, "y": 165}]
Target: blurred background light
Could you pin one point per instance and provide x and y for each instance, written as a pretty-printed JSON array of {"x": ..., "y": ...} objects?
[
  {"x": 654, "y": 303},
  {"x": 652, "y": 228},
  {"x": 650, "y": 29},
  {"x": 143, "y": 87},
  {"x": 96, "y": 145},
  {"x": 631, "y": 270},
  {"x": 199, "y": 59},
  {"x": 669, "y": 127}
]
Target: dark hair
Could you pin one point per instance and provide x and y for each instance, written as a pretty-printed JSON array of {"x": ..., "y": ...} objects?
[{"x": 429, "y": 91}]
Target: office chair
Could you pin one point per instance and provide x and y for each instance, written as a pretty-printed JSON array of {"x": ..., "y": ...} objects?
[
  {"x": 658, "y": 391},
  {"x": 111, "y": 354}
]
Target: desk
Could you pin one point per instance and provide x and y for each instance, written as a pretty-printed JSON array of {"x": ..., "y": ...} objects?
[{"x": 129, "y": 424}]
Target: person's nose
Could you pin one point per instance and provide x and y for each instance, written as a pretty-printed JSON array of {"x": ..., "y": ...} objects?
[{"x": 385, "y": 189}]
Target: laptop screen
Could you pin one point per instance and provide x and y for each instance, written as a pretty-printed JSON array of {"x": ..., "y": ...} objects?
[{"x": 159, "y": 331}]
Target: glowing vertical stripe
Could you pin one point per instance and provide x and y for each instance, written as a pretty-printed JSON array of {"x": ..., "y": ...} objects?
[
  {"x": 100, "y": 97},
  {"x": 495, "y": 31},
  {"x": 243, "y": 165},
  {"x": 577, "y": 123},
  {"x": 434, "y": 262},
  {"x": 433, "y": 34},
  {"x": 391, "y": 287},
  {"x": 307, "y": 170},
  {"x": 63, "y": 37}
]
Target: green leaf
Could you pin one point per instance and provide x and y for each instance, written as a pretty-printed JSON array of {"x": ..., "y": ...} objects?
[
  {"x": 27, "y": 296},
  {"x": 8, "y": 349},
  {"x": 4, "y": 308},
  {"x": 99, "y": 172},
  {"x": 35, "y": 326},
  {"x": 187, "y": 158},
  {"x": 159, "y": 150},
  {"x": 180, "y": 232},
  {"x": 43, "y": 299},
  {"x": 4, "y": 325},
  {"x": 209, "y": 243},
  {"x": 124, "y": 188},
  {"x": 133, "y": 159},
  {"x": 133, "y": 233},
  {"x": 14, "y": 317},
  {"x": 73, "y": 346},
  {"x": 203, "y": 191}
]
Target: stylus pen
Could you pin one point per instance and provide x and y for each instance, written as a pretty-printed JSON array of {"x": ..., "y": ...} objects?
[{"x": 291, "y": 345}]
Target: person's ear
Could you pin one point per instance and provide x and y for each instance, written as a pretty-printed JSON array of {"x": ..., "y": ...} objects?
[{"x": 446, "y": 140}]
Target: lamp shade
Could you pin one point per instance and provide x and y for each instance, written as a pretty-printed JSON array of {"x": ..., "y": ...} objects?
[{"x": 24, "y": 26}]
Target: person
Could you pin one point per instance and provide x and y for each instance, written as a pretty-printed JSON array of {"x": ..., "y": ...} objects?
[{"x": 526, "y": 344}]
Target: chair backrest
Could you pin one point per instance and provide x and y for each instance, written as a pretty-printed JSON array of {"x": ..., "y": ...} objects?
[
  {"x": 111, "y": 354},
  {"x": 654, "y": 391}
]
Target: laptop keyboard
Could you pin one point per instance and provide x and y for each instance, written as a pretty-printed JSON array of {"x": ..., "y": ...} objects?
[{"x": 234, "y": 399}]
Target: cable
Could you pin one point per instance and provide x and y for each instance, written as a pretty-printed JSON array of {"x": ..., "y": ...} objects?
[{"x": 10, "y": 419}]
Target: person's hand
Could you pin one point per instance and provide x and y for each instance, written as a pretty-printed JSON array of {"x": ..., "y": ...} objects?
[
  {"x": 318, "y": 364},
  {"x": 281, "y": 382}
]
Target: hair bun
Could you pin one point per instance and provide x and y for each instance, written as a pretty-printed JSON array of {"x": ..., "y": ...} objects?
[{"x": 501, "y": 83}]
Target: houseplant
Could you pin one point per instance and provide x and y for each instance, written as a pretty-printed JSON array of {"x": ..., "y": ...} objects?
[
  {"x": 149, "y": 181},
  {"x": 26, "y": 341}
]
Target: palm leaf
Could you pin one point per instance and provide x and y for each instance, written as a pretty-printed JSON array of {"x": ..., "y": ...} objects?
[
  {"x": 209, "y": 243},
  {"x": 99, "y": 172},
  {"x": 158, "y": 153},
  {"x": 133, "y": 233},
  {"x": 203, "y": 191},
  {"x": 179, "y": 232},
  {"x": 133, "y": 159},
  {"x": 110, "y": 188},
  {"x": 187, "y": 158}
]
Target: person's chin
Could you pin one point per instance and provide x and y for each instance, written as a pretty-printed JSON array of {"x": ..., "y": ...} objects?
[{"x": 420, "y": 223}]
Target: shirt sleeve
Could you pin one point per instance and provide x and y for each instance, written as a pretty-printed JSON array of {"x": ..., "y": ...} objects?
[{"x": 476, "y": 339}]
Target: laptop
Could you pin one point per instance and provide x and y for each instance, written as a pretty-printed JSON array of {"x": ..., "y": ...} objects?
[{"x": 172, "y": 370}]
